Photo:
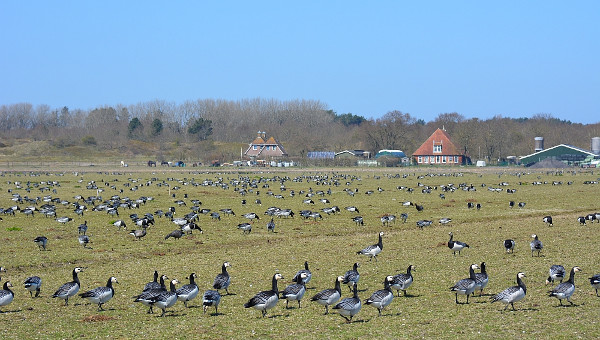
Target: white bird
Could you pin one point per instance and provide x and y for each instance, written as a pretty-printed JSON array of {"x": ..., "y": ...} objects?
[
  {"x": 373, "y": 250},
  {"x": 465, "y": 286},
  {"x": 512, "y": 294},
  {"x": 33, "y": 283},
  {"x": 566, "y": 289},
  {"x": 266, "y": 299},
  {"x": 349, "y": 307},
  {"x": 101, "y": 295},
  {"x": 6, "y": 295},
  {"x": 401, "y": 282},
  {"x": 383, "y": 297},
  {"x": 70, "y": 288},
  {"x": 330, "y": 296}
]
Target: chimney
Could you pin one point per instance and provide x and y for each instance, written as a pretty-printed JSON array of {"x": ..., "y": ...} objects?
[
  {"x": 539, "y": 144},
  {"x": 596, "y": 145}
]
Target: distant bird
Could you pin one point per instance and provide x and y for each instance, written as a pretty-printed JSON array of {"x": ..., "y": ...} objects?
[
  {"x": 245, "y": 227},
  {"x": 6, "y": 295},
  {"x": 404, "y": 217},
  {"x": 522, "y": 205},
  {"x": 165, "y": 299},
  {"x": 352, "y": 209},
  {"x": 358, "y": 220},
  {"x": 33, "y": 283},
  {"x": 41, "y": 241},
  {"x": 445, "y": 220},
  {"x": 373, "y": 250},
  {"x": 306, "y": 271},
  {"x": 352, "y": 276},
  {"x": 84, "y": 240},
  {"x": 70, "y": 288},
  {"x": 424, "y": 223},
  {"x": 401, "y": 282},
  {"x": 382, "y": 298},
  {"x": 252, "y": 216},
  {"x": 481, "y": 279},
  {"x": 548, "y": 220},
  {"x": 176, "y": 234},
  {"x": 211, "y": 298},
  {"x": 349, "y": 307},
  {"x": 595, "y": 282},
  {"x": 138, "y": 233},
  {"x": 296, "y": 290},
  {"x": 509, "y": 245},
  {"x": 101, "y": 295},
  {"x": 223, "y": 280},
  {"x": 266, "y": 299},
  {"x": 511, "y": 204},
  {"x": 556, "y": 273},
  {"x": 82, "y": 228},
  {"x": 154, "y": 284},
  {"x": 419, "y": 207},
  {"x": 478, "y": 206},
  {"x": 566, "y": 289},
  {"x": 63, "y": 220},
  {"x": 536, "y": 245},
  {"x": 512, "y": 294},
  {"x": 329, "y": 296},
  {"x": 466, "y": 286},
  {"x": 456, "y": 246},
  {"x": 581, "y": 220},
  {"x": 188, "y": 292},
  {"x": 271, "y": 226},
  {"x": 470, "y": 205},
  {"x": 120, "y": 224}
]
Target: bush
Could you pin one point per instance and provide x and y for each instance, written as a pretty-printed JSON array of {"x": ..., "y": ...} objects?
[{"x": 89, "y": 140}]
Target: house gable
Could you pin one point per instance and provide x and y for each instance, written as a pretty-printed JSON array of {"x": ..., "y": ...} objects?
[{"x": 438, "y": 149}]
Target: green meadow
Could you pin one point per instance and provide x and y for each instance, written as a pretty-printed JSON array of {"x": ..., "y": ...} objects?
[{"x": 328, "y": 244}]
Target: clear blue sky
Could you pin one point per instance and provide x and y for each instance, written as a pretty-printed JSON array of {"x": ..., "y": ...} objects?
[{"x": 477, "y": 58}]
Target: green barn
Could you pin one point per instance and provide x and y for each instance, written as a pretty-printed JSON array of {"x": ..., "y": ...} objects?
[{"x": 565, "y": 153}]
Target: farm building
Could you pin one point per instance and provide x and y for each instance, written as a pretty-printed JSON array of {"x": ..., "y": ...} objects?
[
  {"x": 264, "y": 149},
  {"x": 352, "y": 154},
  {"x": 392, "y": 157},
  {"x": 438, "y": 149},
  {"x": 568, "y": 154}
]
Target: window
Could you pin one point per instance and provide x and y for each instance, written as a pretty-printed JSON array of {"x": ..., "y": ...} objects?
[
  {"x": 437, "y": 159},
  {"x": 455, "y": 159},
  {"x": 431, "y": 159},
  {"x": 437, "y": 148},
  {"x": 443, "y": 159},
  {"x": 426, "y": 159},
  {"x": 254, "y": 147},
  {"x": 420, "y": 159}
]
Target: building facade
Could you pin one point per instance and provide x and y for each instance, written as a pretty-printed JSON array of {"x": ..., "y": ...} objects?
[
  {"x": 438, "y": 149},
  {"x": 262, "y": 148}
]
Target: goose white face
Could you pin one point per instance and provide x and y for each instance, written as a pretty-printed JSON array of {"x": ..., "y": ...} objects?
[
  {"x": 227, "y": 264},
  {"x": 521, "y": 275},
  {"x": 381, "y": 233},
  {"x": 340, "y": 278},
  {"x": 389, "y": 278},
  {"x": 278, "y": 276},
  {"x": 303, "y": 275},
  {"x": 78, "y": 270},
  {"x": 474, "y": 266},
  {"x": 577, "y": 269},
  {"x": 534, "y": 236},
  {"x": 113, "y": 280}
]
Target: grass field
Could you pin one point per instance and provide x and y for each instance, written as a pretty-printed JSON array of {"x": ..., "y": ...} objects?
[{"x": 329, "y": 245}]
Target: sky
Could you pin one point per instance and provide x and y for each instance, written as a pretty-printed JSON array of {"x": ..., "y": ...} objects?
[{"x": 477, "y": 58}]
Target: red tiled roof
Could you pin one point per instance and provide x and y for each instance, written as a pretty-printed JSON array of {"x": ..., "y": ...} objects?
[{"x": 438, "y": 137}]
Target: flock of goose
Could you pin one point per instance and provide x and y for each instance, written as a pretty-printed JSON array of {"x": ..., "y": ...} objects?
[{"x": 157, "y": 294}]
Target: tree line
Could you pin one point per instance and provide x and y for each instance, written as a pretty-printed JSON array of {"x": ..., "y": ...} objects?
[{"x": 300, "y": 125}]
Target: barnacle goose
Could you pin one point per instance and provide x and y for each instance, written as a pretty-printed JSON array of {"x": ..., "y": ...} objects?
[
  {"x": 120, "y": 224},
  {"x": 147, "y": 294},
  {"x": 63, "y": 219},
  {"x": 352, "y": 209},
  {"x": 383, "y": 297},
  {"x": 509, "y": 245},
  {"x": 401, "y": 282},
  {"x": 456, "y": 246},
  {"x": 556, "y": 273},
  {"x": 352, "y": 276},
  {"x": 165, "y": 299},
  {"x": 329, "y": 296},
  {"x": 373, "y": 250},
  {"x": 595, "y": 282},
  {"x": 305, "y": 271},
  {"x": 84, "y": 240},
  {"x": 358, "y": 220},
  {"x": 271, "y": 226},
  {"x": 101, "y": 295},
  {"x": 41, "y": 242},
  {"x": 82, "y": 228},
  {"x": 465, "y": 286},
  {"x": 296, "y": 290},
  {"x": 6, "y": 295},
  {"x": 445, "y": 220},
  {"x": 512, "y": 294},
  {"x": 265, "y": 299},
  {"x": 154, "y": 283},
  {"x": 188, "y": 292},
  {"x": 481, "y": 279},
  {"x": 536, "y": 245},
  {"x": 176, "y": 234},
  {"x": 70, "y": 288},
  {"x": 349, "y": 307},
  {"x": 581, "y": 220},
  {"x": 566, "y": 289},
  {"x": 245, "y": 227},
  {"x": 33, "y": 283},
  {"x": 211, "y": 298},
  {"x": 548, "y": 220},
  {"x": 223, "y": 280},
  {"x": 138, "y": 234}
]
